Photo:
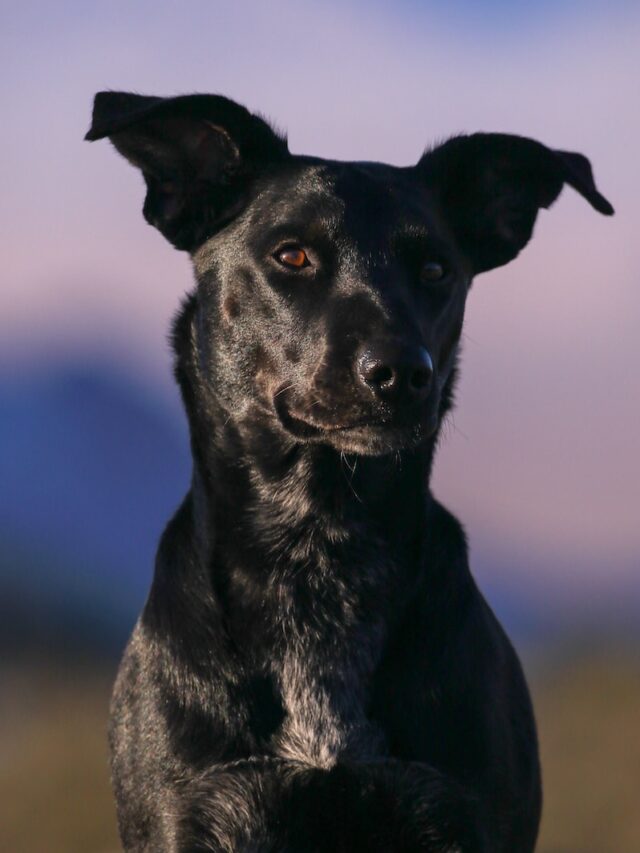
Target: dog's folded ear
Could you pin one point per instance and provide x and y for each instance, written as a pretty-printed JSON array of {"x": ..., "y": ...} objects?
[
  {"x": 198, "y": 153},
  {"x": 490, "y": 187}
]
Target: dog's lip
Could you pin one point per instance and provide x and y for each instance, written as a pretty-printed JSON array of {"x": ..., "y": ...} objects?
[
  {"x": 317, "y": 427},
  {"x": 307, "y": 428}
]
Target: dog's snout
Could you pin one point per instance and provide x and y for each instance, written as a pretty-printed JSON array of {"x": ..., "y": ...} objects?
[{"x": 392, "y": 371}]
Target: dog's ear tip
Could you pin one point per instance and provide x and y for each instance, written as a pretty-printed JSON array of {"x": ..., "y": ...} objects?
[
  {"x": 577, "y": 172},
  {"x": 112, "y": 109},
  {"x": 599, "y": 203},
  {"x": 91, "y": 135},
  {"x": 605, "y": 207},
  {"x": 100, "y": 100},
  {"x": 96, "y": 132}
]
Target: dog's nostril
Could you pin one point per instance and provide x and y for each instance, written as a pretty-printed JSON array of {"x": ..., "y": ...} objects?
[
  {"x": 382, "y": 376},
  {"x": 421, "y": 373},
  {"x": 420, "y": 378},
  {"x": 376, "y": 372}
]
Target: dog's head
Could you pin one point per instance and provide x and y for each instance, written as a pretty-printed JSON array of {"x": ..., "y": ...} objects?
[{"x": 331, "y": 295}]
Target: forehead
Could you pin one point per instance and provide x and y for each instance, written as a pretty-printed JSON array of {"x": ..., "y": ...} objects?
[{"x": 368, "y": 201}]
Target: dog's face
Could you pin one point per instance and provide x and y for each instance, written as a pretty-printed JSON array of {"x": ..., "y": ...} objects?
[
  {"x": 335, "y": 301},
  {"x": 331, "y": 295}
]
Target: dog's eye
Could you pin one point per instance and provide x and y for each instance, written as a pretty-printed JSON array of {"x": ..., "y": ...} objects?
[
  {"x": 293, "y": 257},
  {"x": 432, "y": 271}
]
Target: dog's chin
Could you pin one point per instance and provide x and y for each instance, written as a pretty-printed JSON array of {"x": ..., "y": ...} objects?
[
  {"x": 377, "y": 440},
  {"x": 364, "y": 437}
]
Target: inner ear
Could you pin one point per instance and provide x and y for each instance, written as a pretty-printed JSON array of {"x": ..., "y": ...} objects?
[
  {"x": 188, "y": 167},
  {"x": 178, "y": 148},
  {"x": 198, "y": 155}
]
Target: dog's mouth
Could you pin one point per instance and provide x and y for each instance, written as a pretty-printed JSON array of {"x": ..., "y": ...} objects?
[{"x": 370, "y": 434}]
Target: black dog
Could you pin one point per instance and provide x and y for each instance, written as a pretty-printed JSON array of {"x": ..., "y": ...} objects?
[{"x": 315, "y": 669}]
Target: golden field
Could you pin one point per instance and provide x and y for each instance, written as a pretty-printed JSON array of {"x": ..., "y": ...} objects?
[{"x": 54, "y": 787}]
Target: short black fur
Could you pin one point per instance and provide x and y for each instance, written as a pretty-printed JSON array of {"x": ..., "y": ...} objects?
[{"x": 315, "y": 668}]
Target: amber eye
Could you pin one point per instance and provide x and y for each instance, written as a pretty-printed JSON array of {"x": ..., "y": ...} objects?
[
  {"x": 432, "y": 271},
  {"x": 293, "y": 257}
]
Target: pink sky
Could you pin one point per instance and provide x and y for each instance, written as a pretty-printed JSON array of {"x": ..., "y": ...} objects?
[{"x": 545, "y": 453}]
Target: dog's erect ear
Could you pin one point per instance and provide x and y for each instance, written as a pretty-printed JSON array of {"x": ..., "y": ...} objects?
[
  {"x": 491, "y": 186},
  {"x": 198, "y": 154}
]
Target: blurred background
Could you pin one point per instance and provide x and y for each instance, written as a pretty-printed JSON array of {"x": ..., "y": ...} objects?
[{"x": 541, "y": 459}]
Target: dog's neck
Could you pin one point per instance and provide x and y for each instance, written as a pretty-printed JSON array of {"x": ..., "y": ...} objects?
[
  {"x": 296, "y": 502},
  {"x": 276, "y": 522}
]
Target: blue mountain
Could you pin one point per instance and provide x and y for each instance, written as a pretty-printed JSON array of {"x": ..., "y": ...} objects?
[{"x": 92, "y": 465}]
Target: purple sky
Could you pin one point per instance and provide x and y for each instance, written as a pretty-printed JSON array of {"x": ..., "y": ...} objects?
[{"x": 544, "y": 457}]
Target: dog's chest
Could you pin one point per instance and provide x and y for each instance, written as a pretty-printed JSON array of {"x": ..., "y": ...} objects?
[{"x": 318, "y": 638}]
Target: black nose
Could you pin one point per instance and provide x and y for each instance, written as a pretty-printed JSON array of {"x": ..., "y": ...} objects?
[{"x": 396, "y": 372}]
